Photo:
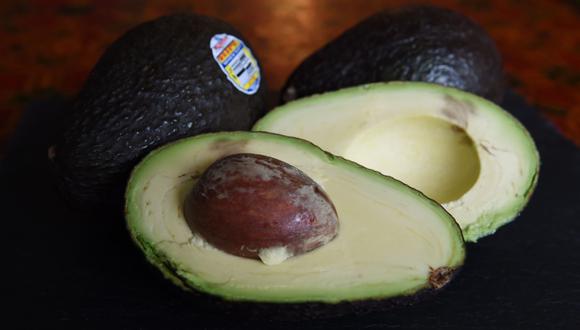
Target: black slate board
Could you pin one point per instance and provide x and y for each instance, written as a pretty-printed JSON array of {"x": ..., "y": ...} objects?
[{"x": 69, "y": 270}]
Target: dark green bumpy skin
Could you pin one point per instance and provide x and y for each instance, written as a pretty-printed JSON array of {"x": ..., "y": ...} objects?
[
  {"x": 416, "y": 43},
  {"x": 159, "y": 82}
]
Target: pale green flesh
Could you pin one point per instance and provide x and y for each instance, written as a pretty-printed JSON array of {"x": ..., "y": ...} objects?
[
  {"x": 390, "y": 235},
  {"x": 444, "y": 170},
  {"x": 461, "y": 150}
]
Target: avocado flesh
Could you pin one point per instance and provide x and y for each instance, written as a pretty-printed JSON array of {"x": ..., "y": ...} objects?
[
  {"x": 457, "y": 148},
  {"x": 391, "y": 237}
]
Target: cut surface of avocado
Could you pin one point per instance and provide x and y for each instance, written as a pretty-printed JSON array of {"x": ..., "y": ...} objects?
[
  {"x": 461, "y": 150},
  {"x": 393, "y": 241}
]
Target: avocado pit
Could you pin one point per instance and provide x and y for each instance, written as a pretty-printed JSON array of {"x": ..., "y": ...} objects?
[{"x": 255, "y": 206}]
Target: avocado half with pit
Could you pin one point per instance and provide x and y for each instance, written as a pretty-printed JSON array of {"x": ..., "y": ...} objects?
[
  {"x": 461, "y": 150},
  {"x": 392, "y": 241}
]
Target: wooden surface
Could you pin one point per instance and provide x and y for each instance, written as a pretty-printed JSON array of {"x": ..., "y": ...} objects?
[{"x": 49, "y": 46}]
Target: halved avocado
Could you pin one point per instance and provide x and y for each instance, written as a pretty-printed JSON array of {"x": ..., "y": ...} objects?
[
  {"x": 459, "y": 149},
  {"x": 392, "y": 241}
]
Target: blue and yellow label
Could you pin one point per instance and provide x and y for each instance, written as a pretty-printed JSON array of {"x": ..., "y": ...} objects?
[{"x": 237, "y": 62}]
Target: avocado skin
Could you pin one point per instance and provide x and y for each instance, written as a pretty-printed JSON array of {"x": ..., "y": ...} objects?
[
  {"x": 159, "y": 82},
  {"x": 414, "y": 43},
  {"x": 298, "y": 312}
]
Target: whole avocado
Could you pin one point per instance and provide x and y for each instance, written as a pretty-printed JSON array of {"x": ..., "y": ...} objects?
[
  {"x": 414, "y": 43},
  {"x": 159, "y": 82}
]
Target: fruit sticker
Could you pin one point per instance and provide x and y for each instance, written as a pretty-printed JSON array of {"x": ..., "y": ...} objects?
[{"x": 237, "y": 62}]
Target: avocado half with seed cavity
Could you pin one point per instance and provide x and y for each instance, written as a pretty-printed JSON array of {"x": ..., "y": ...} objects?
[
  {"x": 457, "y": 148},
  {"x": 392, "y": 240}
]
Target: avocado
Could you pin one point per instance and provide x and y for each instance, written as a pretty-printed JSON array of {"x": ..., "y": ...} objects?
[
  {"x": 457, "y": 148},
  {"x": 392, "y": 241},
  {"x": 166, "y": 79},
  {"x": 414, "y": 43}
]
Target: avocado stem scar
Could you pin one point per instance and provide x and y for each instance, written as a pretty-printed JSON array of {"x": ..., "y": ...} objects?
[{"x": 439, "y": 277}]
